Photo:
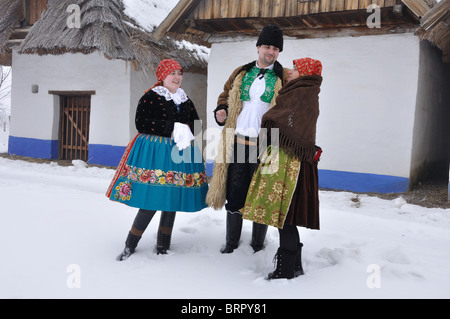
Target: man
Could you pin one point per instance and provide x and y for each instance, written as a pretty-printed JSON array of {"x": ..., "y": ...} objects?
[{"x": 248, "y": 94}]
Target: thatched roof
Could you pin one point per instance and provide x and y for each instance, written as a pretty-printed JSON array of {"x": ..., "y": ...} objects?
[
  {"x": 11, "y": 14},
  {"x": 104, "y": 28},
  {"x": 435, "y": 27}
]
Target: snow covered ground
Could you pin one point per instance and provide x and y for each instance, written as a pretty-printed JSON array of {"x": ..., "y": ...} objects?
[{"x": 60, "y": 235}]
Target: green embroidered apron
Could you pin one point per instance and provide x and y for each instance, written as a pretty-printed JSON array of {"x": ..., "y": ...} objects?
[{"x": 271, "y": 189}]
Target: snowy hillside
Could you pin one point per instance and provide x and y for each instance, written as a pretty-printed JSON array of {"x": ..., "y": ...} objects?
[{"x": 61, "y": 235}]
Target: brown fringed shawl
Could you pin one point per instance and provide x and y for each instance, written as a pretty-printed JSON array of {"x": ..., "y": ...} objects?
[{"x": 295, "y": 115}]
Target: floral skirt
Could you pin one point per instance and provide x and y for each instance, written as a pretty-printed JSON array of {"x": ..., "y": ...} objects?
[
  {"x": 271, "y": 189},
  {"x": 154, "y": 175}
]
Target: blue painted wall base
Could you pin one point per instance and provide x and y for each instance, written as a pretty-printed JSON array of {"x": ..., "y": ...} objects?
[
  {"x": 30, "y": 147},
  {"x": 107, "y": 155},
  {"x": 362, "y": 182},
  {"x": 110, "y": 155},
  {"x": 353, "y": 182}
]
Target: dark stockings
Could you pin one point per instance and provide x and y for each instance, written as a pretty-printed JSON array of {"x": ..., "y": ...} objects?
[
  {"x": 165, "y": 232},
  {"x": 289, "y": 237},
  {"x": 142, "y": 220},
  {"x": 140, "y": 224}
]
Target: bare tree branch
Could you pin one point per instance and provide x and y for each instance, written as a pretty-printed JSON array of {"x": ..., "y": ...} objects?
[{"x": 5, "y": 90}]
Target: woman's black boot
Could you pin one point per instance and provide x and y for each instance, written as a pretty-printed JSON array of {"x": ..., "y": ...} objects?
[
  {"x": 130, "y": 246},
  {"x": 285, "y": 268},
  {"x": 164, "y": 237},
  {"x": 298, "y": 261}
]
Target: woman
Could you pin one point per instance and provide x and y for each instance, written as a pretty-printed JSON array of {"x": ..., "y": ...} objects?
[
  {"x": 284, "y": 192},
  {"x": 162, "y": 169}
]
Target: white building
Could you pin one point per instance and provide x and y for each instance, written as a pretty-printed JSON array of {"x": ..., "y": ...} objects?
[
  {"x": 378, "y": 78},
  {"x": 76, "y": 87}
]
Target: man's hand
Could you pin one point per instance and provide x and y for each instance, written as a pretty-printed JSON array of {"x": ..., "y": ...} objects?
[{"x": 221, "y": 116}]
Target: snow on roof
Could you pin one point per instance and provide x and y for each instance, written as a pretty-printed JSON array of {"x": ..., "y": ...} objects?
[{"x": 149, "y": 14}]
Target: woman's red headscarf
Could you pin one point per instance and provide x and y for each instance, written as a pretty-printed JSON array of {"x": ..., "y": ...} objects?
[
  {"x": 165, "y": 67},
  {"x": 308, "y": 66}
]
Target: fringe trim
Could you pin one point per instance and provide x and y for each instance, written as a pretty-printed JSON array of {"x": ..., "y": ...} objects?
[{"x": 303, "y": 150}]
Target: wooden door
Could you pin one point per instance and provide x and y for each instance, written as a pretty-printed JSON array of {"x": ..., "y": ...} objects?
[{"x": 74, "y": 127}]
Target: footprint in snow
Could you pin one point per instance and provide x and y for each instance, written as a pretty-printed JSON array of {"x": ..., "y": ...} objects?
[{"x": 189, "y": 230}]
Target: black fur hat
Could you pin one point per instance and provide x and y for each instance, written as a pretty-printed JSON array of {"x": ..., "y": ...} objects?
[{"x": 271, "y": 35}]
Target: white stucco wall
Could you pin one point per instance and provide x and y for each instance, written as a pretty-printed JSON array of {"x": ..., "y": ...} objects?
[
  {"x": 367, "y": 101},
  {"x": 35, "y": 115},
  {"x": 118, "y": 88},
  {"x": 140, "y": 82}
]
